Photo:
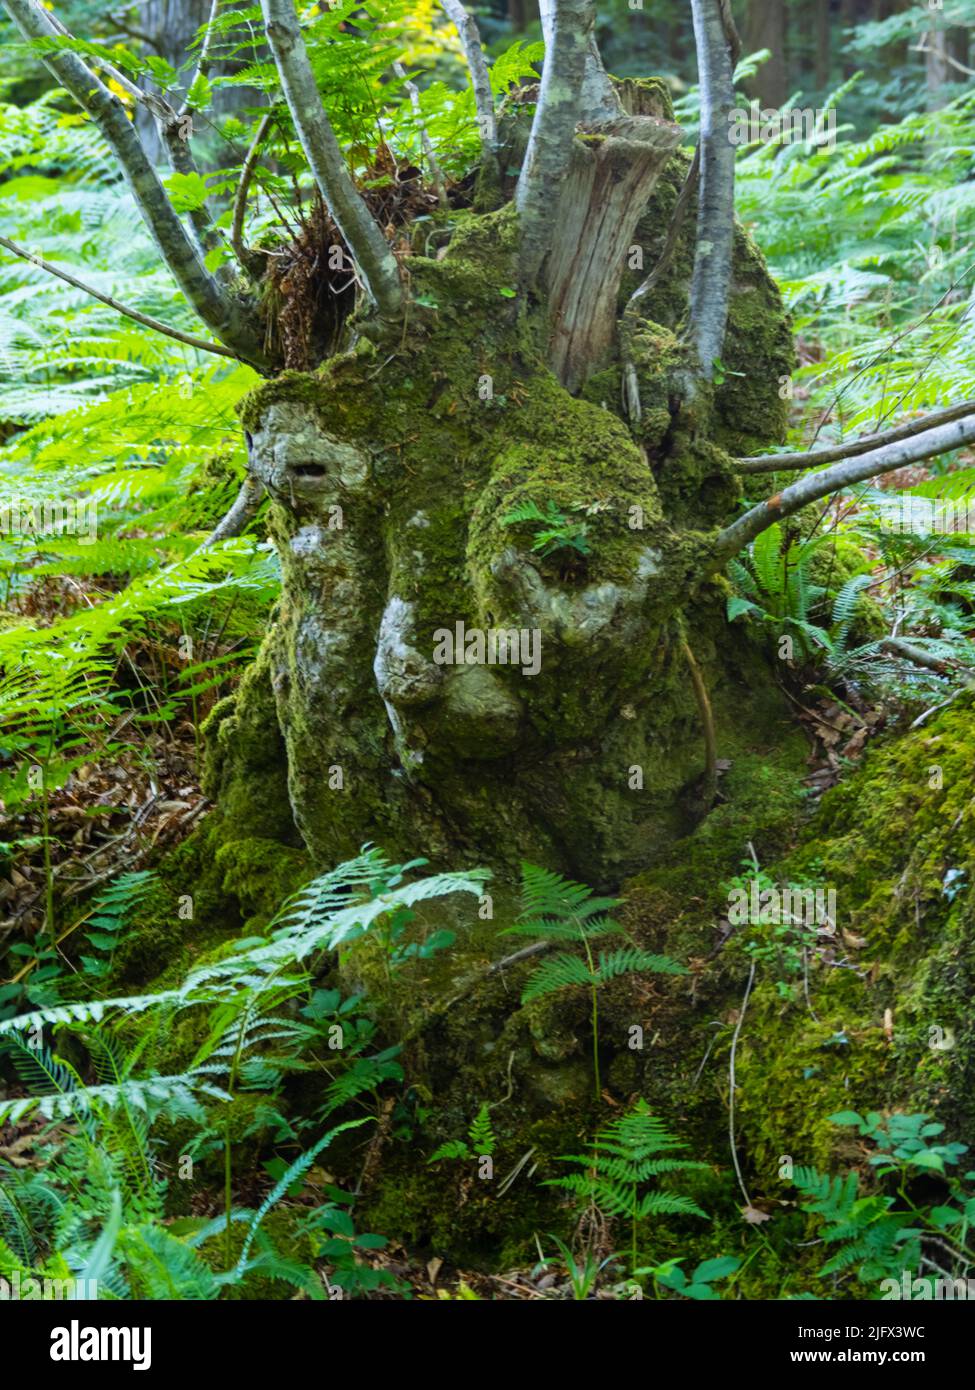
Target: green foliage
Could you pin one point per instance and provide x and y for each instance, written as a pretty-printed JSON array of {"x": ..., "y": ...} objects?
[
  {"x": 882, "y": 1235},
  {"x": 253, "y": 1041},
  {"x": 699, "y": 1284},
  {"x": 583, "y": 1272},
  {"x": 112, "y": 911},
  {"x": 480, "y": 1141},
  {"x": 627, "y": 1155},
  {"x": 339, "y": 1243},
  {"x": 554, "y": 909},
  {"x": 554, "y": 530},
  {"x": 775, "y": 586},
  {"x": 783, "y": 935}
]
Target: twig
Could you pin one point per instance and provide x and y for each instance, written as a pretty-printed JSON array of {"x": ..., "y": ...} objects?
[
  {"x": 731, "y": 1077},
  {"x": 436, "y": 173},
  {"x": 146, "y": 320},
  {"x": 707, "y": 720},
  {"x": 204, "y": 61},
  {"x": 782, "y": 463},
  {"x": 243, "y": 188}
]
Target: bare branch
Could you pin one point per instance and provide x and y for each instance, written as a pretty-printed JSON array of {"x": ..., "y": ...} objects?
[
  {"x": 811, "y": 488},
  {"x": 909, "y": 652},
  {"x": 137, "y": 315},
  {"x": 711, "y": 279},
  {"x": 376, "y": 261},
  {"x": 553, "y": 130},
  {"x": 787, "y": 463},
  {"x": 244, "y": 509},
  {"x": 221, "y": 312},
  {"x": 204, "y": 61},
  {"x": 470, "y": 41},
  {"x": 436, "y": 173},
  {"x": 243, "y": 187}
]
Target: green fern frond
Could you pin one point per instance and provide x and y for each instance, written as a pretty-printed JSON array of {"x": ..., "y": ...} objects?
[
  {"x": 560, "y": 972},
  {"x": 630, "y": 960}
]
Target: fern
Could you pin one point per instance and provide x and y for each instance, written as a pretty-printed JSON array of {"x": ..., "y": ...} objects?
[
  {"x": 555, "y": 909},
  {"x": 293, "y": 1171},
  {"x": 627, "y": 1154},
  {"x": 480, "y": 1141}
]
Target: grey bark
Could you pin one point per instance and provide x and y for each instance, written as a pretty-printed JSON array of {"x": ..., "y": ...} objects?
[
  {"x": 599, "y": 99},
  {"x": 832, "y": 480},
  {"x": 711, "y": 279},
  {"x": 552, "y": 134},
  {"x": 376, "y": 261}
]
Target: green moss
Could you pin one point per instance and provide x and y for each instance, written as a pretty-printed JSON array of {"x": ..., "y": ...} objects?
[
  {"x": 895, "y": 1026},
  {"x": 280, "y": 1227},
  {"x": 751, "y": 403}
]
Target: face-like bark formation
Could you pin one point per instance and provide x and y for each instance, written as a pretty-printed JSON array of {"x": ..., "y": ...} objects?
[
  {"x": 442, "y": 685},
  {"x": 454, "y": 714}
]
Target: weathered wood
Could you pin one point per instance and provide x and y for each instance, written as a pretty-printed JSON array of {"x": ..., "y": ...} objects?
[{"x": 613, "y": 170}]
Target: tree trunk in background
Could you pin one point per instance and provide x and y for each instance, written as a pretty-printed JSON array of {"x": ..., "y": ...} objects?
[
  {"x": 765, "y": 27},
  {"x": 958, "y": 48},
  {"x": 172, "y": 26},
  {"x": 897, "y": 55},
  {"x": 823, "y": 53},
  {"x": 850, "y": 14},
  {"x": 936, "y": 67}
]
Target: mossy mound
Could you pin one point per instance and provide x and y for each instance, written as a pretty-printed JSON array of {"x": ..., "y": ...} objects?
[{"x": 889, "y": 1022}]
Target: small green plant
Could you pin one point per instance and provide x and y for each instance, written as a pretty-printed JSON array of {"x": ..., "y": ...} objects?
[
  {"x": 698, "y": 1285},
  {"x": 480, "y": 1141},
  {"x": 553, "y": 529},
  {"x": 627, "y": 1155},
  {"x": 339, "y": 1243},
  {"x": 112, "y": 911},
  {"x": 883, "y": 1234},
  {"x": 554, "y": 909},
  {"x": 781, "y": 924},
  {"x": 582, "y": 1275}
]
